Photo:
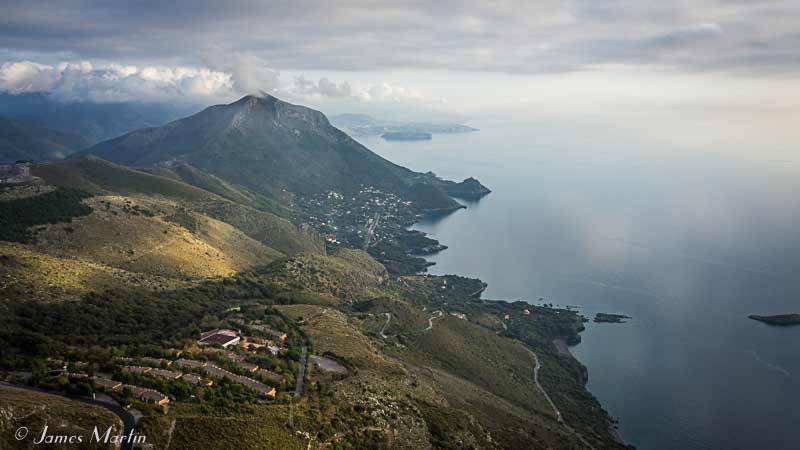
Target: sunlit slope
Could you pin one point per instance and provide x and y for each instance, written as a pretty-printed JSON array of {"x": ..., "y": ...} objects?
[{"x": 102, "y": 177}]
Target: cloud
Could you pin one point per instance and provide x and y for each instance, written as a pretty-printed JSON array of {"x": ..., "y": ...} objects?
[
  {"x": 249, "y": 73},
  {"x": 81, "y": 81},
  {"x": 230, "y": 76},
  {"x": 458, "y": 35},
  {"x": 688, "y": 35},
  {"x": 387, "y": 92},
  {"x": 323, "y": 89}
]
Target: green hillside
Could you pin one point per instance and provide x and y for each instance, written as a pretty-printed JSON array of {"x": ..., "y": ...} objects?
[
  {"x": 268, "y": 146},
  {"x": 100, "y": 177}
]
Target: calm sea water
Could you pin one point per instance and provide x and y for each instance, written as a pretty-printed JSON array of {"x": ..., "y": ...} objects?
[{"x": 688, "y": 241}]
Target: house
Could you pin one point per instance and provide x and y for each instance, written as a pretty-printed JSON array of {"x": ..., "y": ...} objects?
[
  {"x": 155, "y": 362},
  {"x": 255, "y": 342},
  {"x": 277, "y": 335},
  {"x": 190, "y": 363},
  {"x": 196, "y": 380},
  {"x": 224, "y": 338},
  {"x": 233, "y": 356},
  {"x": 18, "y": 173},
  {"x": 167, "y": 374},
  {"x": 459, "y": 315},
  {"x": 106, "y": 384},
  {"x": 255, "y": 386},
  {"x": 507, "y": 317},
  {"x": 526, "y": 312},
  {"x": 149, "y": 395},
  {"x": 137, "y": 369}
]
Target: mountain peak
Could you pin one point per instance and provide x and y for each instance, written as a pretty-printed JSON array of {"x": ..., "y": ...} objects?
[{"x": 261, "y": 98}]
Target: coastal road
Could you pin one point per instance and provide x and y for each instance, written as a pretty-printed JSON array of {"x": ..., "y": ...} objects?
[
  {"x": 537, "y": 366},
  {"x": 559, "y": 417}
]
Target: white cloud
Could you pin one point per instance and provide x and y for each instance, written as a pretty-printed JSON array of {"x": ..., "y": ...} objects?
[
  {"x": 82, "y": 81},
  {"x": 387, "y": 92},
  {"x": 26, "y": 76},
  {"x": 306, "y": 89},
  {"x": 225, "y": 78},
  {"x": 249, "y": 73}
]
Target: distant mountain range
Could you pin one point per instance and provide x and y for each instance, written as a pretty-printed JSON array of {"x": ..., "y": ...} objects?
[
  {"x": 272, "y": 147},
  {"x": 92, "y": 121},
  {"x": 365, "y": 125},
  {"x": 24, "y": 141}
]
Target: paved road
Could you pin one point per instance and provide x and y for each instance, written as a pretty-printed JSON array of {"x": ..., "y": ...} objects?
[
  {"x": 536, "y": 368},
  {"x": 559, "y": 417},
  {"x": 301, "y": 373},
  {"x": 383, "y": 328},
  {"x": 436, "y": 315},
  {"x": 128, "y": 420},
  {"x": 371, "y": 230}
]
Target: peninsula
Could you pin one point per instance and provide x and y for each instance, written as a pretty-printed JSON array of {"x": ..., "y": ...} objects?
[
  {"x": 407, "y": 136},
  {"x": 783, "y": 320}
]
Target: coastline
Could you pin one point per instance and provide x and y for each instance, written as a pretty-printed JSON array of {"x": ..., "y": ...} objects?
[{"x": 562, "y": 349}]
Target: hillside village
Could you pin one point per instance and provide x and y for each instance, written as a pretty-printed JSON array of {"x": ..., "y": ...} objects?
[
  {"x": 17, "y": 173},
  {"x": 262, "y": 359},
  {"x": 374, "y": 220}
]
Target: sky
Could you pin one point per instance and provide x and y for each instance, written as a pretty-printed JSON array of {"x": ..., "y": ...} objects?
[{"x": 463, "y": 57}]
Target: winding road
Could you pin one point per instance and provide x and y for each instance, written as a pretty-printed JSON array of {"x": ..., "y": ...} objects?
[
  {"x": 383, "y": 328},
  {"x": 436, "y": 315},
  {"x": 536, "y": 368},
  {"x": 128, "y": 419},
  {"x": 557, "y": 413}
]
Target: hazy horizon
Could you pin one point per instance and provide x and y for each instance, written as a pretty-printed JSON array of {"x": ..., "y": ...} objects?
[{"x": 454, "y": 59}]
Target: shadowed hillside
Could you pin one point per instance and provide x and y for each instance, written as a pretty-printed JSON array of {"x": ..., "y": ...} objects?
[
  {"x": 24, "y": 141},
  {"x": 269, "y": 146}
]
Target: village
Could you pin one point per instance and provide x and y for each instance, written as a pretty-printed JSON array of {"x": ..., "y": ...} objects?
[
  {"x": 248, "y": 356},
  {"x": 347, "y": 219},
  {"x": 375, "y": 221}
]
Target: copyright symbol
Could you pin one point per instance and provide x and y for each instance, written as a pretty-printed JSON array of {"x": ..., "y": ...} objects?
[{"x": 21, "y": 433}]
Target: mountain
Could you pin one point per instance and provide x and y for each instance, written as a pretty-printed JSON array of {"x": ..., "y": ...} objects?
[
  {"x": 268, "y": 146},
  {"x": 470, "y": 188},
  {"x": 92, "y": 121},
  {"x": 113, "y": 271},
  {"x": 366, "y": 125},
  {"x": 21, "y": 140}
]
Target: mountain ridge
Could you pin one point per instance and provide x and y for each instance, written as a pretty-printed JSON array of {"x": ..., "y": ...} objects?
[
  {"x": 20, "y": 140},
  {"x": 269, "y": 146}
]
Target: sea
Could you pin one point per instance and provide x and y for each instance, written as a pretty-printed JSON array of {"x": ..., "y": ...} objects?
[{"x": 686, "y": 224}]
